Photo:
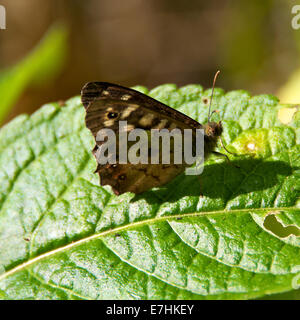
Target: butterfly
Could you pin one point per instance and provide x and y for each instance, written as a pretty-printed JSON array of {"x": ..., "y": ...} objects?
[{"x": 106, "y": 104}]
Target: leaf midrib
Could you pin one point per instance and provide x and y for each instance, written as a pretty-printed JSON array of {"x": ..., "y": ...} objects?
[{"x": 132, "y": 225}]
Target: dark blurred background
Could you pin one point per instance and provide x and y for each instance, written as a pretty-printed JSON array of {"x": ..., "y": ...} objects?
[{"x": 151, "y": 42}]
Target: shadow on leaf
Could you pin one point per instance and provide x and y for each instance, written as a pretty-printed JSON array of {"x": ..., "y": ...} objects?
[{"x": 222, "y": 180}]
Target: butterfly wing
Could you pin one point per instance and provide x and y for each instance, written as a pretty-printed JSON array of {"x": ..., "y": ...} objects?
[
  {"x": 107, "y": 104},
  {"x": 106, "y": 91},
  {"x": 137, "y": 178}
]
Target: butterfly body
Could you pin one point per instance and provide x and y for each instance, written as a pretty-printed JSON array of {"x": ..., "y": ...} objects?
[{"x": 106, "y": 104}]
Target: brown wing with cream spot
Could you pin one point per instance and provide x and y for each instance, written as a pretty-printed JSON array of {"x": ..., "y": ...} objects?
[
  {"x": 137, "y": 178},
  {"x": 107, "y": 91}
]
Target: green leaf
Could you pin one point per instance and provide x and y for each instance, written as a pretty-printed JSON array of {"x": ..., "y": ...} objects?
[
  {"x": 65, "y": 237},
  {"x": 43, "y": 63}
]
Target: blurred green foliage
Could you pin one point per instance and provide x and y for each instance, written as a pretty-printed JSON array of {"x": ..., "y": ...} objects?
[
  {"x": 260, "y": 50},
  {"x": 290, "y": 93},
  {"x": 42, "y": 64}
]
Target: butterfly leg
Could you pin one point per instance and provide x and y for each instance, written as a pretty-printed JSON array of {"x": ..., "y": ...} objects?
[
  {"x": 200, "y": 184},
  {"x": 223, "y": 146},
  {"x": 224, "y": 155}
]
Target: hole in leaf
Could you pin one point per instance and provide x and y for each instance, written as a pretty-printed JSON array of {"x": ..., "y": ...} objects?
[
  {"x": 272, "y": 224},
  {"x": 285, "y": 115},
  {"x": 296, "y": 282}
]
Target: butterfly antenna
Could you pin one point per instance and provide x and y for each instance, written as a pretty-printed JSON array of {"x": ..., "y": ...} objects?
[{"x": 212, "y": 95}]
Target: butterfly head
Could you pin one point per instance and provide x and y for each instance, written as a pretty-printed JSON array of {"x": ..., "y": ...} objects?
[{"x": 213, "y": 129}]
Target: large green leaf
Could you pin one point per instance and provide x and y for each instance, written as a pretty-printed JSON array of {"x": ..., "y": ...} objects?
[
  {"x": 43, "y": 63},
  {"x": 65, "y": 237}
]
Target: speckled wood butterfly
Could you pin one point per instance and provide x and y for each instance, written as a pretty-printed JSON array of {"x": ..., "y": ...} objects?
[{"x": 106, "y": 104}]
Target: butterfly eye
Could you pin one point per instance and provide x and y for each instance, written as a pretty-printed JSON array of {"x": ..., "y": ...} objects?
[
  {"x": 112, "y": 115},
  {"x": 122, "y": 177}
]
